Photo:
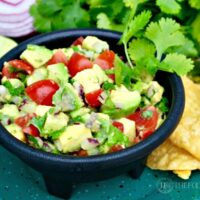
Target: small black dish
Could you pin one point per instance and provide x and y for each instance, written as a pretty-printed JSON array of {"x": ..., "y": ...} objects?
[{"x": 59, "y": 171}]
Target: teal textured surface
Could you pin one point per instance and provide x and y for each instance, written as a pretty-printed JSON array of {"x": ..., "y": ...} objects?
[{"x": 18, "y": 181}]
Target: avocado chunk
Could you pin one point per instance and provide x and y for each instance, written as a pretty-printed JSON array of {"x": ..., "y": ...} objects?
[
  {"x": 58, "y": 73},
  {"x": 16, "y": 131},
  {"x": 36, "y": 55},
  {"x": 80, "y": 115},
  {"x": 28, "y": 107},
  {"x": 94, "y": 44},
  {"x": 67, "y": 98},
  {"x": 155, "y": 92},
  {"x": 4, "y": 94},
  {"x": 55, "y": 122},
  {"x": 42, "y": 110},
  {"x": 10, "y": 110},
  {"x": 129, "y": 128},
  {"x": 121, "y": 102},
  {"x": 37, "y": 75},
  {"x": 14, "y": 86},
  {"x": 70, "y": 140},
  {"x": 91, "y": 79}
]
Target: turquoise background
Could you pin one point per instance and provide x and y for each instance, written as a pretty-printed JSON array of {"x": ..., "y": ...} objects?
[{"x": 18, "y": 181}]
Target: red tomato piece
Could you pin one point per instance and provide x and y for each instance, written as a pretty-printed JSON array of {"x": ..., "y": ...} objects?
[
  {"x": 31, "y": 130},
  {"x": 58, "y": 57},
  {"x": 82, "y": 153},
  {"x": 78, "y": 63},
  {"x": 78, "y": 41},
  {"x": 92, "y": 98},
  {"x": 42, "y": 91},
  {"x": 19, "y": 66},
  {"x": 7, "y": 72},
  {"x": 23, "y": 121},
  {"x": 118, "y": 125},
  {"x": 116, "y": 148},
  {"x": 146, "y": 121},
  {"x": 106, "y": 59}
]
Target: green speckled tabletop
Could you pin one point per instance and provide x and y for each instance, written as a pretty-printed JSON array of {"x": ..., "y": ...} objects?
[{"x": 18, "y": 181}]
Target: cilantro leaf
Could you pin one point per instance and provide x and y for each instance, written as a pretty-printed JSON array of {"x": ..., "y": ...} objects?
[
  {"x": 164, "y": 34},
  {"x": 39, "y": 122},
  {"x": 123, "y": 73},
  {"x": 104, "y": 22},
  {"x": 176, "y": 63},
  {"x": 163, "y": 105},
  {"x": 187, "y": 49},
  {"x": 108, "y": 86},
  {"x": 169, "y": 7},
  {"x": 196, "y": 28},
  {"x": 12, "y": 90},
  {"x": 54, "y": 135},
  {"x": 136, "y": 26},
  {"x": 194, "y": 4},
  {"x": 140, "y": 49},
  {"x": 133, "y": 3}
]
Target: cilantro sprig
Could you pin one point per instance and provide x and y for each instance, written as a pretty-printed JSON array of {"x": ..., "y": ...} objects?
[{"x": 150, "y": 46}]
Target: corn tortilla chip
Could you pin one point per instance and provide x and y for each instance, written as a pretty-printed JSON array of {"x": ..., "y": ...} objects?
[
  {"x": 170, "y": 157},
  {"x": 187, "y": 134},
  {"x": 184, "y": 174}
]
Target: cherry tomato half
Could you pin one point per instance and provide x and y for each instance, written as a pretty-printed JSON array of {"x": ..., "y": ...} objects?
[
  {"x": 78, "y": 41},
  {"x": 78, "y": 63},
  {"x": 92, "y": 98},
  {"x": 31, "y": 130},
  {"x": 58, "y": 57},
  {"x": 17, "y": 66},
  {"x": 118, "y": 125},
  {"x": 116, "y": 148},
  {"x": 42, "y": 91},
  {"x": 23, "y": 121},
  {"x": 146, "y": 121},
  {"x": 106, "y": 59}
]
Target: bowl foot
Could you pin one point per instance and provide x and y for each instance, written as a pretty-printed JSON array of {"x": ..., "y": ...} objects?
[
  {"x": 57, "y": 187},
  {"x": 136, "y": 172}
]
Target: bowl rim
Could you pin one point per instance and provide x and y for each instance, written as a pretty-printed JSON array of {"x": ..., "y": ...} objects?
[{"x": 136, "y": 151}]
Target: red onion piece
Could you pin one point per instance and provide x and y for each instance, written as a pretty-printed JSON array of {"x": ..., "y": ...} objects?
[
  {"x": 14, "y": 26},
  {"x": 12, "y": 2},
  {"x": 14, "y": 17},
  {"x": 6, "y": 9},
  {"x": 20, "y": 33},
  {"x": 89, "y": 143}
]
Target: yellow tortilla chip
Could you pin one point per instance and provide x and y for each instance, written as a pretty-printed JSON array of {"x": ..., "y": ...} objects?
[
  {"x": 170, "y": 157},
  {"x": 187, "y": 134},
  {"x": 184, "y": 174}
]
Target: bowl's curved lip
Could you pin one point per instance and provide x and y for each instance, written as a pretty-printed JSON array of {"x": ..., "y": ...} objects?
[{"x": 137, "y": 151}]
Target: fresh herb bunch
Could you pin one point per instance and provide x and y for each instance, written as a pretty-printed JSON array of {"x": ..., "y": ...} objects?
[{"x": 149, "y": 21}]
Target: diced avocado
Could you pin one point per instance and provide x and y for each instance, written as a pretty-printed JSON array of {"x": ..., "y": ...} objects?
[
  {"x": 4, "y": 94},
  {"x": 70, "y": 140},
  {"x": 10, "y": 110},
  {"x": 94, "y": 44},
  {"x": 81, "y": 115},
  {"x": 28, "y": 107},
  {"x": 129, "y": 128},
  {"x": 36, "y": 55},
  {"x": 91, "y": 79},
  {"x": 114, "y": 137},
  {"x": 67, "y": 51},
  {"x": 16, "y": 131},
  {"x": 55, "y": 122},
  {"x": 121, "y": 102},
  {"x": 100, "y": 74},
  {"x": 42, "y": 110},
  {"x": 37, "y": 75},
  {"x": 58, "y": 73},
  {"x": 155, "y": 92},
  {"x": 67, "y": 98},
  {"x": 14, "y": 86}
]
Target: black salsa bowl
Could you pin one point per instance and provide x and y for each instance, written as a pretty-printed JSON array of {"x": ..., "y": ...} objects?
[{"x": 60, "y": 172}]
